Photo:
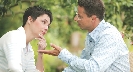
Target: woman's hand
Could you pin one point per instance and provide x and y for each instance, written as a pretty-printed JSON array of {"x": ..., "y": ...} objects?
[{"x": 42, "y": 42}]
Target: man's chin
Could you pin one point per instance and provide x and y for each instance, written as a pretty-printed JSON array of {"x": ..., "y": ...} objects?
[{"x": 82, "y": 28}]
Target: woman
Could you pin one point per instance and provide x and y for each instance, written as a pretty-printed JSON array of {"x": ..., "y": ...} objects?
[{"x": 16, "y": 53}]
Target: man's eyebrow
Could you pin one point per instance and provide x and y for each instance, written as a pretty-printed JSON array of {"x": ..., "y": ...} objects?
[{"x": 78, "y": 14}]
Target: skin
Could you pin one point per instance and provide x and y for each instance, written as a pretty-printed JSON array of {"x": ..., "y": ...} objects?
[
  {"x": 36, "y": 29},
  {"x": 85, "y": 23}
]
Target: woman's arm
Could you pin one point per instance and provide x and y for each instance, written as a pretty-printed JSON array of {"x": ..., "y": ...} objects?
[
  {"x": 12, "y": 50},
  {"x": 41, "y": 46},
  {"x": 39, "y": 63}
]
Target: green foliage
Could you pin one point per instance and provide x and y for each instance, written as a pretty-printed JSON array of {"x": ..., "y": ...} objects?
[
  {"x": 6, "y": 5},
  {"x": 118, "y": 13},
  {"x": 63, "y": 13},
  {"x": 12, "y": 20}
]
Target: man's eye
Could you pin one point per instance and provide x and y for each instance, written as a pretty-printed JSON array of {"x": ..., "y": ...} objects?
[{"x": 79, "y": 16}]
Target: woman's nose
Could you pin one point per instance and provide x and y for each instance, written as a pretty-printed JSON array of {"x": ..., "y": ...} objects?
[{"x": 46, "y": 28}]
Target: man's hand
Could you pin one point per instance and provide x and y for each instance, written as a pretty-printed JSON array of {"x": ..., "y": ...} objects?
[{"x": 54, "y": 52}]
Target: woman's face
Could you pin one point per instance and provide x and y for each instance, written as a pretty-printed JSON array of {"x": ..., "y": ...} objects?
[{"x": 40, "y": 25}]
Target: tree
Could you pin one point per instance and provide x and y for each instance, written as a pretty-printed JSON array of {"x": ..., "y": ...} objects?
[{"x": 118, "y": 13}]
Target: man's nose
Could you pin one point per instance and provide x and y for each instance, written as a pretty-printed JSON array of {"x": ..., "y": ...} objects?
[{"x": 75, "y": 18}]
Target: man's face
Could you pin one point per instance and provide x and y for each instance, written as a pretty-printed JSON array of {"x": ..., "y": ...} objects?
[
  {"x": 84, "y": 22},
  {"x": 40, "y": 25}
]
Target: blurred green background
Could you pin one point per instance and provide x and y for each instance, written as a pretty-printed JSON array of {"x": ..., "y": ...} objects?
[{"x": 64, "y": 31}]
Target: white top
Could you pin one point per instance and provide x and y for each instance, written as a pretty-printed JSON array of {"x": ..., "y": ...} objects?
[{"x": 14, "y": 56}]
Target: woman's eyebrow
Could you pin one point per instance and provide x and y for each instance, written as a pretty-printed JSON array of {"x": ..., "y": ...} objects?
[{"x": 46, "y": 21}]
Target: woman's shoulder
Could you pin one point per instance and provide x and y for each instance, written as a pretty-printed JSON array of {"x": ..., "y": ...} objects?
[{"x": 12, "y": 36}]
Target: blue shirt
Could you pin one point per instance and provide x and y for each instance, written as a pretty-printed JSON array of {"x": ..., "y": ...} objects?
[{"x": 105, "y": 51}]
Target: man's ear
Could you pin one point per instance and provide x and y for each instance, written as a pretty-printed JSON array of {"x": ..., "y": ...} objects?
[{"x": 94, "y": 17}]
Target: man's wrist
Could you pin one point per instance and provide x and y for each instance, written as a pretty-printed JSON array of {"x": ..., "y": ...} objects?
[{"x": 60, "y": 49}]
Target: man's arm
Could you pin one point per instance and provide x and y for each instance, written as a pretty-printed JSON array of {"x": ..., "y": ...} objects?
[{"x": 105, "y": 53}]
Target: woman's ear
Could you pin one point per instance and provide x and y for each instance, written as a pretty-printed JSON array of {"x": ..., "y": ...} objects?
[{"x": 29, "y": 20}]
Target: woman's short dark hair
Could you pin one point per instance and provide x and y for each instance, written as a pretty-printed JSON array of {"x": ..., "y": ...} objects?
[{"x": 35, "y": 12}]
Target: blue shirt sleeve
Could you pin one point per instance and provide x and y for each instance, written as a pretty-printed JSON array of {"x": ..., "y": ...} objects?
[
  {"x": 106, "y": 51},
  {"x": 76, "y": 63}
]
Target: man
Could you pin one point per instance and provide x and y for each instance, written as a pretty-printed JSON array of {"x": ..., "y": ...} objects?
[
  {"x": 16, "y": 53},
  {"x": 105, "y": 50}
]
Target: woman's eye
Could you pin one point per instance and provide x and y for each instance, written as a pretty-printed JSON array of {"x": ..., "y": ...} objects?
[{"x": 43, "y": 22}]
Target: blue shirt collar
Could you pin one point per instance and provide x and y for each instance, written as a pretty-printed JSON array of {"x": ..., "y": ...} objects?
[{"x": 95, "y": 33}]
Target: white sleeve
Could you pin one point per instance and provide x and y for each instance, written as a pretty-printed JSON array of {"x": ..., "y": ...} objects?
[{"x": 12, "y": 52}]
